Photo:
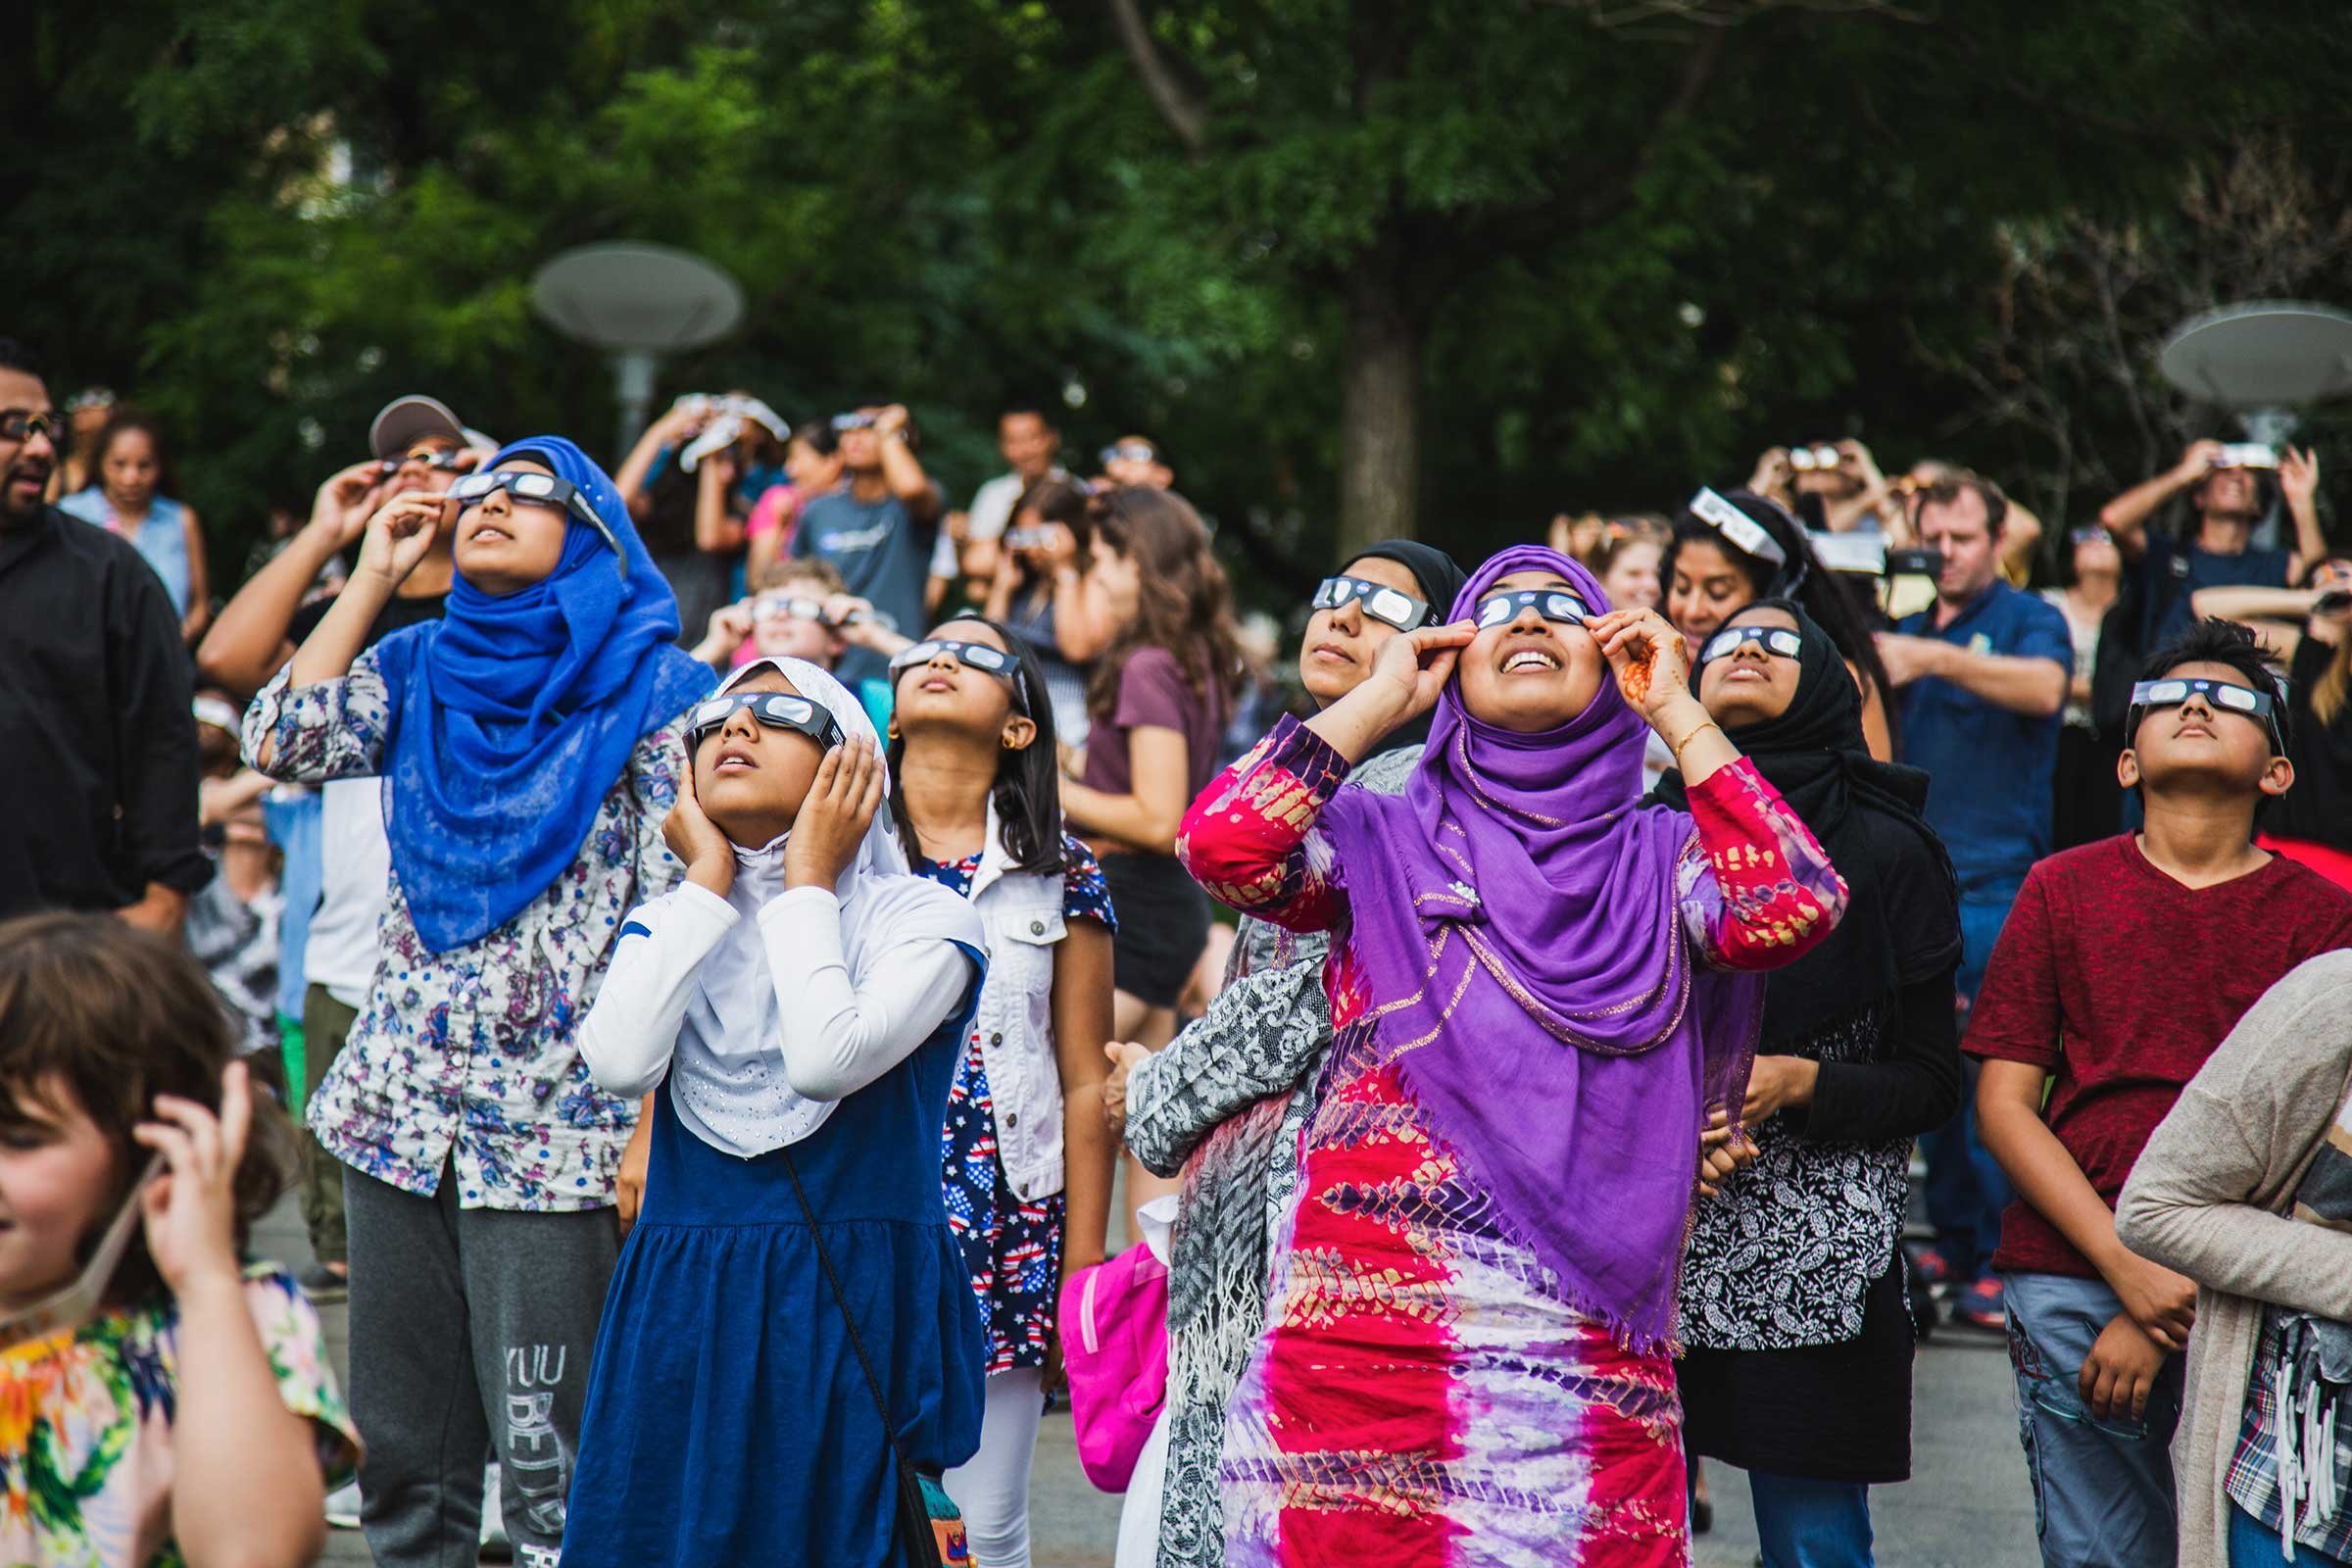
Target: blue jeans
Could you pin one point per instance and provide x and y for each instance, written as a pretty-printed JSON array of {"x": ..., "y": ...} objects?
[
  {"x": 1811, "y": 1524},
  {"x": 2103, "y": 1493},
  {"x": 2255, "y": 1544},
  {"x": 1965, "y": 1190}
]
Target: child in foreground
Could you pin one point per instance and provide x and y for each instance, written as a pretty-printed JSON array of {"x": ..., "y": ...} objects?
[
  {"x": 797, "y": 1009},
  {"x": 2123, "y": 965},
  {"x": 160, "y": 1404}
]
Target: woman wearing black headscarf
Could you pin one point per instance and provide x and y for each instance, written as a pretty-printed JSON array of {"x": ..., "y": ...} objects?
[
  {"x": 1225, "y": 1101},
  {"x": 1793, "y": 1309}
]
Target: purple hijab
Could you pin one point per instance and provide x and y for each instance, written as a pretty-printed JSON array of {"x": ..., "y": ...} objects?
[{"x": 1517, "y": 921}]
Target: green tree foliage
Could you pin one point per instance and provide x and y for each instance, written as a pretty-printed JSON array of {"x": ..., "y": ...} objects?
[{"x": 1532, "y": 253}]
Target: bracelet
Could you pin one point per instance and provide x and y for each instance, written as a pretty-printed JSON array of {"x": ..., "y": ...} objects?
[{"x": 1676, "y": 747}]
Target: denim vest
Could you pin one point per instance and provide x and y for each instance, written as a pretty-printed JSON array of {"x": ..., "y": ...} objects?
[
  {"x": 163, "y": 538},
  {"x": 1020, "y": 914}
]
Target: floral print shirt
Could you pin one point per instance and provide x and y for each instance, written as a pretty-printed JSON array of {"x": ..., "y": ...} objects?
[
  {"x": 468, "y": 1060},
  {"x": 85, "y": 1427}
]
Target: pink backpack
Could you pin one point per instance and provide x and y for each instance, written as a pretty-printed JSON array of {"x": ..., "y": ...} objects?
[{"x": 1114, "y": 1343}]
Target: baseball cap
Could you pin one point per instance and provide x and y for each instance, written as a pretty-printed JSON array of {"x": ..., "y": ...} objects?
[{"x": 404, "y": 421}]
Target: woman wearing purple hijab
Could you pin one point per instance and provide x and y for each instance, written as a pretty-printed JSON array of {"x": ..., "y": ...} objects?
[{"x": 1541, "y": 993}]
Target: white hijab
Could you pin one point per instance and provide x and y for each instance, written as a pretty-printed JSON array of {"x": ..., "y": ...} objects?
[{"x": 727, "y": 1078}]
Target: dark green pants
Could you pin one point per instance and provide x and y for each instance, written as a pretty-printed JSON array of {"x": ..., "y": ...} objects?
[{"x": 324, "y": 1024}]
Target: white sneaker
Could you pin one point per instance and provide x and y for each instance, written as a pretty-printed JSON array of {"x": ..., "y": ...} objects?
[
  {"x": 494, "y": 1514},
  {"x": 343, "y": 1506}
]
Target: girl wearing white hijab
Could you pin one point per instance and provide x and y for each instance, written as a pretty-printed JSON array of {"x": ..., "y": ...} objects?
[{"x": 796, "y": 1008}]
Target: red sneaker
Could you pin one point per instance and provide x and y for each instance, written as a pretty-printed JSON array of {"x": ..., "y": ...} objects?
[
  {"x": 1980, "y": 1306},
  {"x": 1930, "y": 1265}
]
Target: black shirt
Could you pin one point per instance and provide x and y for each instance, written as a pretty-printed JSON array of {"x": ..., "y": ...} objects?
[
  {"x": 97, "y": 743},
  {"x": 2318, "y": 810}
]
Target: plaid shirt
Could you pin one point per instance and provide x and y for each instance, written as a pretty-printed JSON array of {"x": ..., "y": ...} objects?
[{"x": 2253, "y": 1479}]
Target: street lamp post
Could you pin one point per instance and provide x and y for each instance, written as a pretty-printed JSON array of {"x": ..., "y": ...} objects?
[{"x": 637, "y": 302}]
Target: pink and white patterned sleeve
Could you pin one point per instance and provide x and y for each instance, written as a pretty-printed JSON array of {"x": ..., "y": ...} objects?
[
  {"x": 1250, "y": 841},
  {"x": 1756, "y": 889}
]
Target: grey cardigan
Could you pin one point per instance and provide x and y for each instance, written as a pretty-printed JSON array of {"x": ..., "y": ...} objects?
[{"x": 2210, "y": 1195}]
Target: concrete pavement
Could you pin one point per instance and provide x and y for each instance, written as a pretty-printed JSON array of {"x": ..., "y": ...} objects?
[{"x": 1968, "y": 1504}]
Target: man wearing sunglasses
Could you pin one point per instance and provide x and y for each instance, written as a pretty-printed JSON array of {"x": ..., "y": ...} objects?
[
  {"x": 878, "y": 527},
  {"x": 419, "y": 444},
  {"x": 98, "y": 797}
]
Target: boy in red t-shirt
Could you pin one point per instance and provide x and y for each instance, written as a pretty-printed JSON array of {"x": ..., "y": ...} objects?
[{"x": 2123, "y": 965}]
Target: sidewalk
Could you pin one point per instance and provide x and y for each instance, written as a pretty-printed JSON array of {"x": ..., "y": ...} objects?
[{"x": 1968, "y": 1507}]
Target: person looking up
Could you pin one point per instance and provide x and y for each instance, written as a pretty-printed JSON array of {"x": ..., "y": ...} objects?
[
  {"x": 98, "y": 801},
  {"x": 1030, "y": 446},
  {"x": 1237, "y": 1085},
  {"x": 1984, "y": 674},
  {"x": 2087, "y": 1027},
  {"x": 2225, "y": 498},
  {"x": 529, "y": 746},
  {"x": 1136, "y": 462},
  {"x": 796, "y": 1008},
  {"x": 878, "y": 526},
  {"x": 1793, "y": 1291},
  {"x": 812, "y": 467},
  {"x": 419, "y": 446},
  {"x": 2310, "y": 628},
  {"x": 1535, "y": 986},
  {"x": 129, "y": 477},
  {"x": 1040, "y": 589},
  {"x": 1028, "y": 1155},
  {"x": 1728, "y": 551}
]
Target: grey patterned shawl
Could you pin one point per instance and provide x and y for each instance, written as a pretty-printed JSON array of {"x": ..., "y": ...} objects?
[{"x": 1225, "y": 1103}]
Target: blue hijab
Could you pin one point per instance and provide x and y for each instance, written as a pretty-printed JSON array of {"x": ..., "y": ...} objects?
[{"x": 513, "y": 717}]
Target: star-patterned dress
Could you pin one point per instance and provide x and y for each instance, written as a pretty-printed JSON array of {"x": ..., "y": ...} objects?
[{"x": 1011, "y": 1245}]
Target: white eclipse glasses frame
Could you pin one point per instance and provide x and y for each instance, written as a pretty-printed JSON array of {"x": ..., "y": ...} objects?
[
  {"x": 537, "y": 490},
  {"x": 1776, "y": 640},
  {"x": 1563, "y": 604}
]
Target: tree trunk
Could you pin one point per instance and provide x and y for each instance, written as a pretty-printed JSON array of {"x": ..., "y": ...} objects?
[{"x": 1380, "y": 411}]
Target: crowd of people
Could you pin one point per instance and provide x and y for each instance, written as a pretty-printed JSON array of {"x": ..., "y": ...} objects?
[{"x": 723, "y": 947}]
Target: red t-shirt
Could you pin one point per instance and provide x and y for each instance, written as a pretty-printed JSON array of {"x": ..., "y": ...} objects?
[{"x": 2121, "y": 982}]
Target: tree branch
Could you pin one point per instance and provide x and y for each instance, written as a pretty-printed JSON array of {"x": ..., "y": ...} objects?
[{"x": 1184, "y": 117}]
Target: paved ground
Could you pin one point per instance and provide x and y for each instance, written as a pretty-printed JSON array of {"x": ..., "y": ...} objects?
[{"x": 1970, "y": 1505}]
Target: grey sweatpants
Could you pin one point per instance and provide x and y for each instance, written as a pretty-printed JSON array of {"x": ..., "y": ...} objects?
[{"x": 470, "y": 1332}]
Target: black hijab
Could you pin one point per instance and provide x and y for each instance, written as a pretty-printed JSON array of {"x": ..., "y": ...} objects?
[
  {"x": 1442, "y": 582},
  {"x": 1902, "y": 921}
]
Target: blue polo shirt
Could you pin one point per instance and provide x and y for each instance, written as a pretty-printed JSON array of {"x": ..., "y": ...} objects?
[{"x": 1989, "y": 770}]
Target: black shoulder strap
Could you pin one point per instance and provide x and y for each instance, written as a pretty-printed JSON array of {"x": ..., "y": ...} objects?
[{"x": 912, "y": 1506}]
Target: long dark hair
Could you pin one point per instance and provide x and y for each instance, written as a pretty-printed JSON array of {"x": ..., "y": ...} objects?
[
  {"x": 1836, "y": 607},
  {"x": 1183, "y": 605},
  {"x": 1027, "y": 792}
]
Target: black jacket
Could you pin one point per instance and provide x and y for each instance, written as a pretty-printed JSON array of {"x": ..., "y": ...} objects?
[{"x": 98, "y": 770}]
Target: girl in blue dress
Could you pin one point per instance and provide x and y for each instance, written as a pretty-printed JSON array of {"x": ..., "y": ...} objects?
[
  {"x": 1028, "y": 1154},
  {"x": 800, "y": 998}
]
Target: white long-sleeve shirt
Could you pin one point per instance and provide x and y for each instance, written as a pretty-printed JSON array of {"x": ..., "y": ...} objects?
[{"x": 757, "y": 1060}]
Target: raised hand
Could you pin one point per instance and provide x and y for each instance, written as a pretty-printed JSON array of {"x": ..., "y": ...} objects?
[
  {"x": 709, "y": 853},
  {"x": 191, "y": 1211},
  {"x": 1649, "y": 658},
  {"x": 400, "y": 534},
  {"x": 346, "y": 499},
  {"x": 2298, "y": 473},
  {"x": 834, "y": 815}
]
